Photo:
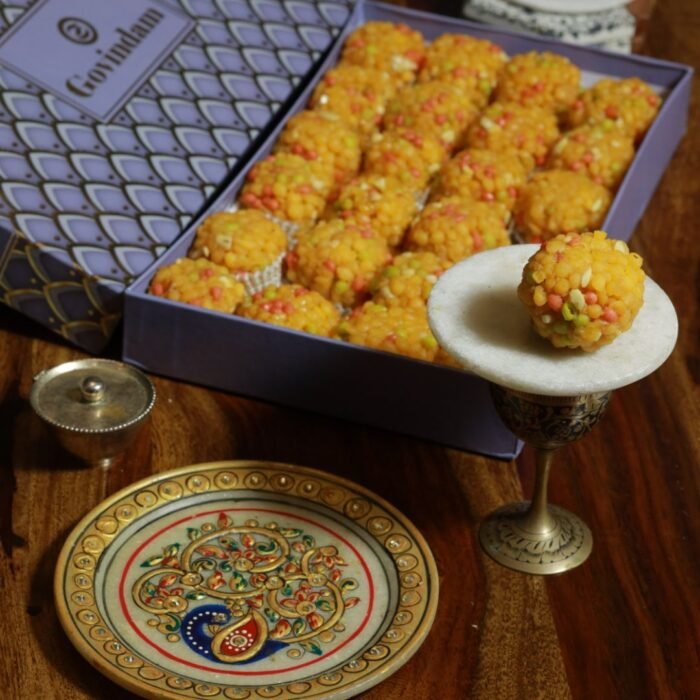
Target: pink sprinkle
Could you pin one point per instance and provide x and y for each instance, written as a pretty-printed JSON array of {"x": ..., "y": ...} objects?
[
  {"x": 216, "y": 293},
  {"x": 250, "y": 199},
  {"x": 158, "y": 289},
  {"x": 554, "y": 301},
  {"x": 329, "y": 265},
  {"x": 591, "y": 298},
  {"x": 478, "y": 240},
  {"x": 440, "y": 118},
  {"x": 487, "y": 196},
  {"x": 358, "y": 284},
  {"x": 206, "y": 273},
  {"x": 609, "y": 315}
]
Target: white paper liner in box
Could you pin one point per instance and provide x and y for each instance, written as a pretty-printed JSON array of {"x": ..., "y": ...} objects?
[{"x": 257, "y": 280}]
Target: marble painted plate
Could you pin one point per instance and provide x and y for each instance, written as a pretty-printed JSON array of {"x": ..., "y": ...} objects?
[{"x": 246, "y": 580}]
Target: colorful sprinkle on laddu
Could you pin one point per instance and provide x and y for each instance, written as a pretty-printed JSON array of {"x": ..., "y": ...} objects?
[
  {"x": 472, "y": 64},
  {"x": 408, "y": 280},
  {"x": 288, "y": 187},
  {"x": 323, "y": 137},
  {"x": 630, "y": 103},
  {"x": 486, "y": 176},
  {"x": 455, "y": 228},
  {"x": 200, "y": 283},
  {"x": 582, "y": 290},
  {"x": 508, "y": 127},
  {"x": 242, "y": 241},
  {"x": 338, "y": 260},
  {"x": 292, "y": 306},
  {"x": 407, "y": 156},
  {"x": 377, "y": 202},
  {"x": 547, "y": 80},
  {"x": 394, "y": 48},
  {"x": 601, "y": 152},
  {"x": 436, "y": 109},
  {"x": 404, "y": 331},
  {"x": 559, "y": 201}
]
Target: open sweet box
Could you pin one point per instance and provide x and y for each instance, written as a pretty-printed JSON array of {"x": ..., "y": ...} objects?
[{"x": 328, "y": 376}]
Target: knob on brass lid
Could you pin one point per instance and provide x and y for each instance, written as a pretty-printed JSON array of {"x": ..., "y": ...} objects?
[
  {"x": 92, "y": 395},
  {"x": 101, "y": 400}
]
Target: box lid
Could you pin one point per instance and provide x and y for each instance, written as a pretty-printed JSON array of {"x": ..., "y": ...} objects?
[{"x": 116, "y": 133}]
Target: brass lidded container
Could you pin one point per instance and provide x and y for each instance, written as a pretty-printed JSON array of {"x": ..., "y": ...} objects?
[{"x": 95, "y": 407}]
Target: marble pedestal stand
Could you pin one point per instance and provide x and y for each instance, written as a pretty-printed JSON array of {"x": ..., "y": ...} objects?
[{"x": 547, "y": 397}]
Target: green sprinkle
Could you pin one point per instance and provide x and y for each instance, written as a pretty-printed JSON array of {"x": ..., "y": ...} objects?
[
  {"x": 560, "y": 328},
  {"x": 581, "y": 320},
  {"x": 567, "y": 312}
]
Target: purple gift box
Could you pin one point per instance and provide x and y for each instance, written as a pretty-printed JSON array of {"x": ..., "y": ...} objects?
[
  {"x": 356, "y": 383},
  {"x": 118, "y": 122}
]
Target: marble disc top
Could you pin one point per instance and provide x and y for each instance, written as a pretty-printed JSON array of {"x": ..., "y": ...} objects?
[{"x": 475, "y": 314}]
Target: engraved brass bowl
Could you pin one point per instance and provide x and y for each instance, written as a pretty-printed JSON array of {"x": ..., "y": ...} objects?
[{"x": 94, "y": 407}]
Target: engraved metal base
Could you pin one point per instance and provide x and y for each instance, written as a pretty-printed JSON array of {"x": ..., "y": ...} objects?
[{"x": 564, "y": 546}]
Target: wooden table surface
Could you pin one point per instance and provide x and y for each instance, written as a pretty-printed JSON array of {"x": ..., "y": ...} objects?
[{"x": 624, "y": 625}]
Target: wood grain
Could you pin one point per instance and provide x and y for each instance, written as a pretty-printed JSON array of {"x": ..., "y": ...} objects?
[{"x": 625, "y": 625}]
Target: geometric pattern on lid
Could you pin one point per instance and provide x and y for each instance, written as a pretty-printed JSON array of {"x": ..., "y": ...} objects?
[{"x": 171, "y": 144}]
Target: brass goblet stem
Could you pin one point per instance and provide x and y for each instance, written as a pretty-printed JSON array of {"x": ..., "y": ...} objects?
[
  {"x": 533, "y": 536},
  {"x": 538, "y": 520}
]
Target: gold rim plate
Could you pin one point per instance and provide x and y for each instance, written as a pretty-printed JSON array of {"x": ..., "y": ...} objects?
[{"x": 246, "y": 580}]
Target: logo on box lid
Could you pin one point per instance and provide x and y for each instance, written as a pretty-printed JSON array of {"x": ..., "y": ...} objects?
[{"x": 93, "y": 54}]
